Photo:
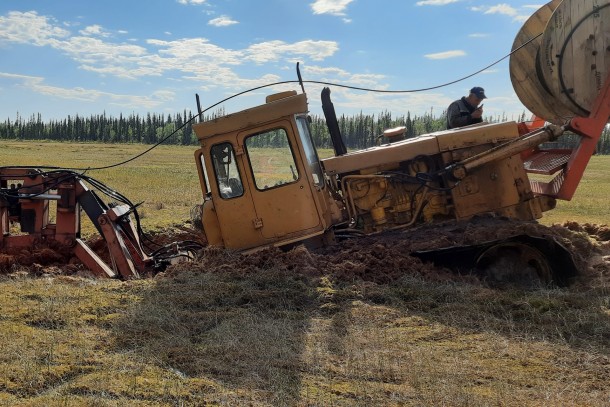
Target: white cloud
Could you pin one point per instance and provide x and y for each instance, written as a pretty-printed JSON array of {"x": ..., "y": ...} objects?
[
  {"x": 334, "y": 7},
  {"x": 196, "y": 50},
  {"x": 164, "y": 95},
  {"x": 30, "y": 28},
  {"x": 190, "y": 56},
  {"x": 369, "y": 80},
  {"x": 94, "y": 30},
  {"x": 318, "y": 71},
  {"x": 195, "y": 59},
  {"x": 92, "y": 52},
  {"x": 446, "y": 54},
  {"x": 17, "y": 76},
  {"x": 503, "y": 8},
  {"x": 435, "y": 2},
  {"x": 338, "y": 75},
  {"x": 222, "y": 21},
  {"x": 274, "y": 50},
  {"x": 36, "y": 84},
  {"x": 478, "y": 35},
  {"x": 397, "y": 103},
  {"x": 506, "y": 10},
  {"x": 521, "y": 18},
  {"x": 196, "y": 2}
]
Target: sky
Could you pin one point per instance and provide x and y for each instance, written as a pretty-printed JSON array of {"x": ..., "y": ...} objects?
[{"x": 61, "y": 57}]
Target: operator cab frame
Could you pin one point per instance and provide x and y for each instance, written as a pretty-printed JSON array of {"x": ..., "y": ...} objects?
[{"x": 261, "y": 176}]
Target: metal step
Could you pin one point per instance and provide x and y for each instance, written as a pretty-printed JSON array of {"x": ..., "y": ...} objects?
[{"x": 547, "y": 162}]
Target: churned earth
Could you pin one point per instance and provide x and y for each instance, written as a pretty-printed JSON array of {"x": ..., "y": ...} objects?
[{"x": 379, "y": 258}]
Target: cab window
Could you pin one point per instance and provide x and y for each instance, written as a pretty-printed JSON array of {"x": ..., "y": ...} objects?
[
  {"x": 226, "y": 172},
  {"x": 310, "y": 151},
  {"x": 271, "y": 159}
]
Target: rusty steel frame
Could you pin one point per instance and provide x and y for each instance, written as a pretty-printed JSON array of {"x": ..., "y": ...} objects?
[
  {"x": 570, "y": 169},
  {"x": 29, "y": 207}
]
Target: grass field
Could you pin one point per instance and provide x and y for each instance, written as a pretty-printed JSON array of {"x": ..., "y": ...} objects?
[
  {"x": 262, "y": 331},
  {"x": 166, "y": 179},
  {"x": 590, "y": 202}
]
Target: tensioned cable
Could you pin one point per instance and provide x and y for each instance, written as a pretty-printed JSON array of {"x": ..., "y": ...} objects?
[
  {"x": 114, "y": 194},
  {"x": 286, "y": 82}
]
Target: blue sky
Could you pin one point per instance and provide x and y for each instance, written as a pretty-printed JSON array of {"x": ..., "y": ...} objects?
[{"x": 83, "y": 57}]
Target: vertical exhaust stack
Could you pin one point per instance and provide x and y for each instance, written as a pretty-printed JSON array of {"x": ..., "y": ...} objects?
[
  {"x": 333, "y": 125},
  {"x": 199, "y": 112}
]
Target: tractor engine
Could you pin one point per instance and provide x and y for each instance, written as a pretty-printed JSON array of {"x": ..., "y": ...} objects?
[
  {"x": 395, "y": 198},
  {"x": 413, "y": 181}
]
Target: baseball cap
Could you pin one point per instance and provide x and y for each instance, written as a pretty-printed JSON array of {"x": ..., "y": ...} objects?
[{"x": 479, "y": 92}]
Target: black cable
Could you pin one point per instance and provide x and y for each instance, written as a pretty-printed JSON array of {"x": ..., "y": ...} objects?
[
  {"x": 423, "y": 178},
  {"x": 301, "y": 82}
]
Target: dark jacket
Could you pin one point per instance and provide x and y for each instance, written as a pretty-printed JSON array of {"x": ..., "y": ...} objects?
[{"x": 458, "y": 114}]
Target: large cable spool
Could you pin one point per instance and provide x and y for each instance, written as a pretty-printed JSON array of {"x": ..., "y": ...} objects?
[
  {"x": 523, "y": 73},
  {"x": 564, "y": 60}
]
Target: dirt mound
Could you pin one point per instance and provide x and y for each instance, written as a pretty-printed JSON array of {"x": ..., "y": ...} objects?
[
  {"x": 386, "y": 257},
  {"x": 50, "y": 257},
  {"x": 377, "y": 258},
  {"x": 599, "y": 232},
  {"x": 377, "y": 261},
  {"x": 43, "y": 258},
  {"x": 388, "y": 254}
]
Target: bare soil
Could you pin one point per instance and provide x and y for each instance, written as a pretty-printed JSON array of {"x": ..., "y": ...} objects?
[{"x": 377, "y": 258}]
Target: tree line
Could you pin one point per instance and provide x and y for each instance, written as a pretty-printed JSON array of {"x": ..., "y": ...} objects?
[
  {"x": 148, "y": 129},
  {"x": 358, "y": 130}
]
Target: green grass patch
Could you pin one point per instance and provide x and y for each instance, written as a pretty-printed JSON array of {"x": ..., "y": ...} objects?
[{"x": 590, "y": 203}]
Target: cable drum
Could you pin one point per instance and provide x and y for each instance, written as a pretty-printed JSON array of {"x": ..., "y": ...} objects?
[
  {"x": 563, "y": 71},
  {"x": 523, "y": 73},
  {"x": 575, "y": 46}
]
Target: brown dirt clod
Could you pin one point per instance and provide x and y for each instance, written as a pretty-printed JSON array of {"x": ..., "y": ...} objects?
[{"x": 377, "y": 258}]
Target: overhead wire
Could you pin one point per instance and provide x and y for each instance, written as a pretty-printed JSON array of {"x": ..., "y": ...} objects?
[
  {"x": 339, "y": 85},
  {"x": 72, "y": 171}
]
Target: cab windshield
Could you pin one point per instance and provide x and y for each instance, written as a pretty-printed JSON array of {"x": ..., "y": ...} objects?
[{"x": 310, "y": 151}]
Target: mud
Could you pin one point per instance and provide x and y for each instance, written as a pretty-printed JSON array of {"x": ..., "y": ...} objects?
[{"x": 377, "y": 258}]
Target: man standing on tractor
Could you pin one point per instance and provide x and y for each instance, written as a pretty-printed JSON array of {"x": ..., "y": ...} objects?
[{"x": 466, "y": 111}]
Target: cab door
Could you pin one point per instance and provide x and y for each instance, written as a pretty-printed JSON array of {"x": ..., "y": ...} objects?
[
  {"x": 232, "y": 201},
  {"x": 280, "y": 189}
]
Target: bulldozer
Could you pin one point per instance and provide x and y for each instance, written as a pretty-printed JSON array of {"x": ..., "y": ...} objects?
[{"x": 264, "y": 184}]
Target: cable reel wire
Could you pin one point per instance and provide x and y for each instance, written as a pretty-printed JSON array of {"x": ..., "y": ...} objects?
[
  {"x": 192, "y": 245},
  {"x": 300, "y": 82}
]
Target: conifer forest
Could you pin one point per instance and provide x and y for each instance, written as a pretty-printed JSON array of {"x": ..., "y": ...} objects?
[{"x": 359, "y": 130}]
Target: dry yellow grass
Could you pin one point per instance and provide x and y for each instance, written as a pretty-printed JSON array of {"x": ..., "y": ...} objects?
[{"x": 213, "y": 335}]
